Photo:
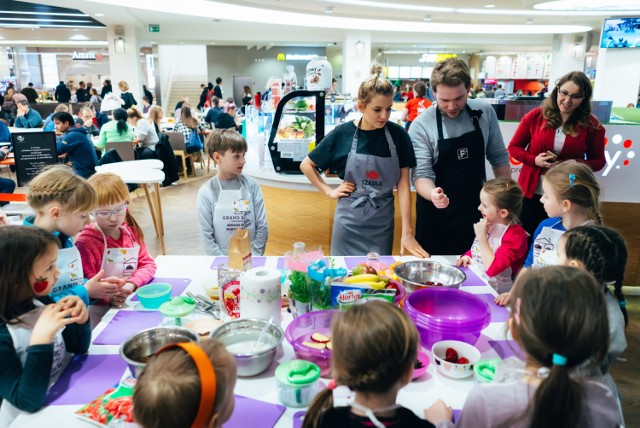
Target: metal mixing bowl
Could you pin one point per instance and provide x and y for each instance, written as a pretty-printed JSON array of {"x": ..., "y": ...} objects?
[
  {"x": 137, "y": 349},
  {"x": 416, "y": 273},
  {"x": 239, "y": 336}
]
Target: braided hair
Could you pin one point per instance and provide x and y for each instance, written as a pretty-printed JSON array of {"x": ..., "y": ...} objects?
[{"x": 59, "y": 184}]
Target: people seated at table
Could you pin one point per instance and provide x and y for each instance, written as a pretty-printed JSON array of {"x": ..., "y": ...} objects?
[
  {"x": 559, "y": 319},
  {"x": 170, "y": 390},
  {"x": 26, "y": 117},
  {"x": 115, "y": 131},
  {"x": 5, "y": 135},
  {"x": 99, "y": 118},
  {"x": 6, "y": 185},
  {"x": 226, "y": 120},
  {"x": 230, "y": 198},
  {"x": 76, "y": 144},
  {"x": 127, "y": 97},
  {"x": 48, "y": 123},
  {"x": 36, "y": 333},
  {"x": 143, "y": 133},
  {"x": 86, "y": 117},
  {"x": 9, "y": 107},
  {"x": 190, "y": 128},
  {"x": 146, "y": 105},
  {"x": 214, "y": 112},
  {"x": 375, "y": 348},
  {"x": 62, "y": 93},
  {"x": 30, "y": 93},
  {"x": 115, "y": 243},
  {"x": 155, "y": 116},
  {"x": 177, "y": 112}
]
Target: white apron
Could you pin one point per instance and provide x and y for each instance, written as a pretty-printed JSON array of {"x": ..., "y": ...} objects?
[
  {"x": 545, "y": 246},
  {"x": 503, "y": 281},
  {"x": 234, "y": 209},
  {"x": 71, "y": 273},
  {"x": 21, "y": 335},
  {"x": 119, "y": 262}
]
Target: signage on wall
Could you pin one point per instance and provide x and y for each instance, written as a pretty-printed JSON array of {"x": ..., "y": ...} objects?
[
  {"x": 296, "y": 57},
  {"x": 433, "y": 58},
  {"x": 154, "y": 28},
  {"x": 86, "y": 56}
]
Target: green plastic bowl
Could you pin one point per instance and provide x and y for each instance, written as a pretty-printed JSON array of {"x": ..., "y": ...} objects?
[{"x": 152, "y": 296}]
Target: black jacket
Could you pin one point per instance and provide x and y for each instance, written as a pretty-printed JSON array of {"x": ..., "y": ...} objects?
[
  {"x": 31, "y": 94},
  {"x": 164, "y": 152},
  {"x": 128, "y": 99},
  {"x": 83, "y": 95},
  {"x": 62, "y": 94},
  {"x": 105, "y": 90}
]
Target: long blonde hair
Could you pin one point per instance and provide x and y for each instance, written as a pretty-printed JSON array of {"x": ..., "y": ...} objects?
[{"x": 59, "y": 184}]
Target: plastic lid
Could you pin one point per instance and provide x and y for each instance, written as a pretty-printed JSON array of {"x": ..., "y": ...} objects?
[
  {"x": 178, "y": 307},
  {"x": 297, "y": 373},
  {"x": 485, "y": 370}
]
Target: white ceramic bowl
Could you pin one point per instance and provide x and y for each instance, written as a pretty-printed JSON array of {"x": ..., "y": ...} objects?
[{"x": 454, "y": 370}]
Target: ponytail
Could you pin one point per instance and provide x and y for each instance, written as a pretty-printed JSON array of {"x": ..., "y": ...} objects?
[
  {"x": 375, "y": 85},
  {"x": 121, "y": 116},
  {"x": 322, "y": 402},
  {"x": 558, "y": 400}
]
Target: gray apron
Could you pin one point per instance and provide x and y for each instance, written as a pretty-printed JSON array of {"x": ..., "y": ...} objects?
[{"x": 364, "y": 220}]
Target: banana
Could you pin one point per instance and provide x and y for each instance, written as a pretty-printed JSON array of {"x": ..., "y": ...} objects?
[{"x": 357, "y": 279}]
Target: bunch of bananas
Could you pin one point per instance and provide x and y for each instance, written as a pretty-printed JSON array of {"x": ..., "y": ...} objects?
[{"x": 367, "y": 280}]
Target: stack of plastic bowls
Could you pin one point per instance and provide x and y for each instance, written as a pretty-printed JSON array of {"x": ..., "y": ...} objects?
[{"x": 447, "y": 314}]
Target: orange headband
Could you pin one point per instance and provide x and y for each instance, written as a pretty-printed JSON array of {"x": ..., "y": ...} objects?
[{"x": 207, "y": 379}]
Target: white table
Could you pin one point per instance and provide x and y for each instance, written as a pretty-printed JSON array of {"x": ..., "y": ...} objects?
[
  {"x": 143, "y": 172},
  {"x": 415, "y": 396}
]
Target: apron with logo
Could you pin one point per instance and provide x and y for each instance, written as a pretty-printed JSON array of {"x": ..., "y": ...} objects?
[
  {"x": 460, "y": 171},
  {"x": 119, "y": 262},
  {"x": 234, "y": 209},
  {"x": 502, "y": 282},
  {"x": 71, "y": 274},
  {"x": 364, "y": 220},
  {"x": 21, "y": 336},
  {"x": 545, "y": 246}
]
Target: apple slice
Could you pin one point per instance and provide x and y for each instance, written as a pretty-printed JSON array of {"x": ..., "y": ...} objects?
[
  {"x": 314, "y": 345},
  {"x": 329, "y": 346},
  {"x": 320, "y": 338}
]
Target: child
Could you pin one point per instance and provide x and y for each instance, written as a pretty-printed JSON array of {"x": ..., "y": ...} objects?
[
  {"x": 500, "y": 246},
  {"x": 35, "y": 332},
  {"x": 375, "y": 348},
  {"x": 230, "y": 200},
  {"x": 559, "y": 319},
  {"x": 62, "y": 202},
  {"x": 571, "y": 198},
  {"x": 115, "y": 243},
  {"x": 602, "y": 252},
  {"x": 171, "y": 387}
]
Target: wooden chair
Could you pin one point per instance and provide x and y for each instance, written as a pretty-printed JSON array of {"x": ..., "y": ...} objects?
[
  {"x": 176, "y": 139},
  {"x": 124, "y": 149}
]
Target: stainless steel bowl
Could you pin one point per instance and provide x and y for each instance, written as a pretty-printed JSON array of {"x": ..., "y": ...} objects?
[
  {"x": 415, "y": 274},
  {"x": 137, "y": 349},
  {"x": 239, "y": 336}
]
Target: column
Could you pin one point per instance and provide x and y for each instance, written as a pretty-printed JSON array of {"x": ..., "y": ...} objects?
[
  {"x": 567, "y": 55},
  {"x": 357, "y": 60},
  {"x": 124, "y": 59}
]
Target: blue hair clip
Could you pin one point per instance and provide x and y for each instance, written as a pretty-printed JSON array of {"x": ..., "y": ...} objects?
[
  {"x": 559, "y": 360},
  {"x": 572, "y": 179},
  {"x": 623, "y": 303}
]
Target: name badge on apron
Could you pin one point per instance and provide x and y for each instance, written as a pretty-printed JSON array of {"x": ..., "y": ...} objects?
[{"x": 241, "y": 206}]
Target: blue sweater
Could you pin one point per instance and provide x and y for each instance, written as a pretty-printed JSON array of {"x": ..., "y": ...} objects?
[
  {"x": 553, "y": 223},
  {"x": 5, "y": 135},
  {"x": 30, "y": 120},
  {"x": 80, "y": 151}
]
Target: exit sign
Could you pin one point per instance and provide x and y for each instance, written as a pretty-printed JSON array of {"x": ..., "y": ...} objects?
[{"x": 154, "y": 28}]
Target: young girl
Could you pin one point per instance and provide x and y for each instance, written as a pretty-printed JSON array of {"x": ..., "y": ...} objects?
[
  {"x": 571, "y": 198},
  {"x": 559, "y": 318},
  {"x": 172, "y": 385},
  {"x": 230, "y": 200},
  {"x": 373, "y": 156},
  {"x": 62, "y": 202},
  {"x": 375, "y": 347},
  {"x": 35, "y": 333},
  {"x": 115, "y": 243},
  {"x": 500, "y": 246},
  {"x": 602, "y": 252}
]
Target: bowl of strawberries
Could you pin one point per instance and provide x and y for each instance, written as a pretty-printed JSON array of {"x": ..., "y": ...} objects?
[{"x": 455, "y": 359}]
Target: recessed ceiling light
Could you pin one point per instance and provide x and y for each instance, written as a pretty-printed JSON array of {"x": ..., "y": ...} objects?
[
  {"x": 99, "y": 14},
  {"x": 427, "y": 18},
  {"x": 328, "y": 10},
  {"x": 489, "y": 6}
]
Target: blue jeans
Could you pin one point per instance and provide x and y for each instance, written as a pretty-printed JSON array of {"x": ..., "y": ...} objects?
[{"x": 6, "y": 186}]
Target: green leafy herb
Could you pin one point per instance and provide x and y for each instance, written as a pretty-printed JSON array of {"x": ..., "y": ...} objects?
[{"x": 299, "y": 290}]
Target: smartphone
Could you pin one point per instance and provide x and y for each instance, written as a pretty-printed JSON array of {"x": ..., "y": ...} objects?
[{"x": 554, "y": 157}]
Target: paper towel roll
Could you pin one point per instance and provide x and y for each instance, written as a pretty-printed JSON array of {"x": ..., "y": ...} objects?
[{"x": 260, "y": 294}]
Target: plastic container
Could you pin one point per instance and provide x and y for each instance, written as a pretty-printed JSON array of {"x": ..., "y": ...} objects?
[
  {"x": 455, "y": 370},
  {"x": 300, "y": 331},
  {"x": 177, "y": 309},
  {"x": 484, "y": 371},
  {"x": 447, "y": 314},
  {"x": 319, "y": 74},
  {"x": 152, "y": 296},
  {"x": 297, "y": 382},
  {"x": 423, "y": 358}
]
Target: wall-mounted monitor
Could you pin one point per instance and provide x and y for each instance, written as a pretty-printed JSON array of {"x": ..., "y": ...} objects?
[{"x": 621, "y": 33}]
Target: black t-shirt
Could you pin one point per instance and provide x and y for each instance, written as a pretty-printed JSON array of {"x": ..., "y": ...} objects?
[
  {"x": 341, "y": 417},
  {"x": 334, "y": 148},
  {"x": 225, "y": 121}
]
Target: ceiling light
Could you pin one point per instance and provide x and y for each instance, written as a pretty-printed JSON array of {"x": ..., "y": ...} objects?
[
  {"x": 602, "y": 6},
  {"x": 54, "y": 42},
  {"x": 489, "y": 6},
  {"x": 78, "y": 37},
  {"x": 40, "y": 13},
  {"x": 46, "y": 20},
  {"x": 427, "y": 18},
  {"x": 99, "y": 14},
  {"x": 328, "y": 10}
]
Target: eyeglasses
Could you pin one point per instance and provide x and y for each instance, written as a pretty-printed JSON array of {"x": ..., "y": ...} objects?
[
  {"x": 572, "y": 96},
  {"x": 116, "y": 212}
]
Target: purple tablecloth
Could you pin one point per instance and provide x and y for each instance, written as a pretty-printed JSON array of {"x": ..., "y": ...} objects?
[
  {"x": 178, "y": 285},
  {"x": 126, "y": 323},
  {"x": 254, "y": 413},
  {"x": 256, "y": 261}
]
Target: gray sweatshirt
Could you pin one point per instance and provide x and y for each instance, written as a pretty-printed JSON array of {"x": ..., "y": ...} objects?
[
  {"x": 424, "y": 136},
  {"x": 207, "y": 199}
]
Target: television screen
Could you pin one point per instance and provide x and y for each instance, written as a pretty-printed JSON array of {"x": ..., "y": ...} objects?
[{"x": 621, "y": 33}]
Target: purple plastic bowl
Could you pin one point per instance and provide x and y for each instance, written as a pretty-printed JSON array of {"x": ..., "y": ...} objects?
[
  {"x": 402, "y": 293},
  {"x": 447, "y": 314},
  {"x": 301, "y": 329}
]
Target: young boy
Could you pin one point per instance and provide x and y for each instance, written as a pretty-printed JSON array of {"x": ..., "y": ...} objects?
[{"x": 230, "y": 200}]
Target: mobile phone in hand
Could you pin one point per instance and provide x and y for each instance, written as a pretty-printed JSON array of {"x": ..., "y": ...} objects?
[{"x": 554, "y": 157}]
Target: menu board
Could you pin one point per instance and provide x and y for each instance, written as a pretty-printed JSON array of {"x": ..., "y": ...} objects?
[{"x": 33, "y": 151}]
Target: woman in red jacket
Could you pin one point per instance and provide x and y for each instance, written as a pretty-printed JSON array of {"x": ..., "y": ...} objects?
[{"x": 562, "y": 128}]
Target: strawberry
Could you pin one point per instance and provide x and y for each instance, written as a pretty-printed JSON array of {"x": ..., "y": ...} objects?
[
  {"x": 463, "y": 360},
  {"x": 451, "y": 355}
]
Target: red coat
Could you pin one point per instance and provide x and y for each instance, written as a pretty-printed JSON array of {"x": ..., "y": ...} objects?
[{"x": 533, "y": 137}]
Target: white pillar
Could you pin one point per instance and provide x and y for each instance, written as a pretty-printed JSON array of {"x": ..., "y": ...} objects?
[
  {"x": 617, "y": 77},
  {"x": 124, "y": 59},
  {"x": 357, "y": 60},
  {"x": 567, "y": 55}
]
